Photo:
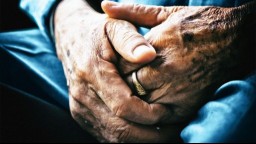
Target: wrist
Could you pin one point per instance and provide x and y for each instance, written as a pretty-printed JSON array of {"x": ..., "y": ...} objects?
[
  {"x": 69, "y": 16},
  {"x": 67, "y": 8}
]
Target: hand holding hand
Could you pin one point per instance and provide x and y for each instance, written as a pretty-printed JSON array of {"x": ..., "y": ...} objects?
[
  {"x": 198, "y": 48},
  {"x": 100, "y": 100}
]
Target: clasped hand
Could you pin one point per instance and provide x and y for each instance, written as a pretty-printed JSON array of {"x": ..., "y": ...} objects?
[{"x": 191, "y": 48}]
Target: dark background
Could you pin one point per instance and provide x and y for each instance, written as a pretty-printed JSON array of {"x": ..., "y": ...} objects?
[
  {"x": 12, "y": 17},
  {"x": 22, "y": 117}
]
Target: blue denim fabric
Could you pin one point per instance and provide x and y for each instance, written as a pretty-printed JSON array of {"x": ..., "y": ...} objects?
[
  {"x": 40, "y": 11},
  {"x": 28, "y": 62},
  {"x": 222, "y": 3},
  {"x": 229, "y": 118}
]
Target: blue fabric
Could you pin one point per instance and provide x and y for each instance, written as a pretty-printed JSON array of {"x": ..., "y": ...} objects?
[
  {"x": 28, "y": 62},
  {"x": 231, "y": 117},
  {"x": 222, "y": 3},
  {"x": 40, "y": 12}
]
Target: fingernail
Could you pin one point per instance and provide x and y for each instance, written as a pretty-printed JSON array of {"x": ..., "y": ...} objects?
[{"x": 144, "y": 52}]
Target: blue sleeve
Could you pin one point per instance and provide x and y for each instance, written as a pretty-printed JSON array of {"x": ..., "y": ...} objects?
[
  {"x": 229, "y": 118},
  {"x": 40, "y": 12},
  {"x": 222, "y": 3}
]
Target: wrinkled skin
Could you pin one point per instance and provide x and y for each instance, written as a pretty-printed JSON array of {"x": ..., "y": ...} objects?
[
  {"x": 100, "y": 101},
  {"x": 198, "y": 48}
]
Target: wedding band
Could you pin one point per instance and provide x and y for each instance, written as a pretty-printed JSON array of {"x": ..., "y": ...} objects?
[{"x": 139, "y": 88}]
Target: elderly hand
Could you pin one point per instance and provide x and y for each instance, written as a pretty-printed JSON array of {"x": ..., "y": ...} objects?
[
  {"x": 198, "y": 48},
  {"x": 100, "y": 101}
]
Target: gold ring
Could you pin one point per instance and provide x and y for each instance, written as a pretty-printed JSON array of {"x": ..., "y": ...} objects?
[{"x": 139, "y": 88}]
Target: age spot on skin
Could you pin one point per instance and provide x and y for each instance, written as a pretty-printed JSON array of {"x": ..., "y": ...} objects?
[
  {"x": 68, "y": 53},
  {"x": 69, "y": 70},
  {"x": 188, "y": 36}
]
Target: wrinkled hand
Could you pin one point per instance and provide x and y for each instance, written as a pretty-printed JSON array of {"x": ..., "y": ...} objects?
[
  {"x": 100, "y": 101},
  {"x": 198, "y": 48}
]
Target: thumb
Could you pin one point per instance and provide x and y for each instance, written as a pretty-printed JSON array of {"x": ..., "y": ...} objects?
[
  {"x": 132, "y": 46},
  {"x": 148, "y": 16}
]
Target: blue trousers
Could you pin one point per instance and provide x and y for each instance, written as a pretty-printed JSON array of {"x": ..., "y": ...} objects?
[{"x": 29, "y": 64}]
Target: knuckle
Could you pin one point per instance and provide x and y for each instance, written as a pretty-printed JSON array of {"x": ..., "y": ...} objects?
[
  {"x": 73, "y": 111},
  {"x": 137, "y": 7},
  {"x": 115, "y": 28},
  {"x": 120, "y": 109},
  {"x": 82, "y": 70},
  {"x": 123, "y": 134},
  {"x": 74, "y": 92},
  {"x": 119, "y": 131},
  {"x": 160, "y": 13},
  {"x": 78, "y": 92},
  {"x": 131, "y": 36},
  {"x": 110, "y": 28}
]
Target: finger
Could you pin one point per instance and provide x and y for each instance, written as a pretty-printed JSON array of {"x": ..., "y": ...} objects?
[
  {"x": 155, "y": 134},
  {"x": 148, "y": 77},
  {"x": 108, "y": 127},
  {"x": 119, "y": 98},
  {"x": 83, "y": 96},
  {"x": 116, "y": 94},
  {"x": 173, "y": 95},
  {"x": 84, "y": 118},
  {"x": 129, "y": 43},
  {"x": 142, "y": 15},
  {"x": 125, "y": 67},
  {"x": 80, "y": 113}
]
